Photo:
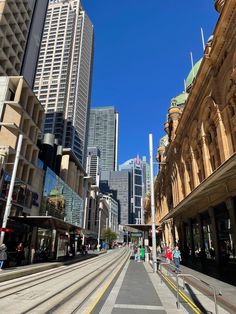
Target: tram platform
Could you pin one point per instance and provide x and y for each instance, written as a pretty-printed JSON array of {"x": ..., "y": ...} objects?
[
  {"x": 21, "y": 271},
  {"x": 140, "y": 291}
]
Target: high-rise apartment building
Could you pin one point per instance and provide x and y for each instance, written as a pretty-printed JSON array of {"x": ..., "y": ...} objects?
[
  {"x": 63, "y": 79},
  {"x": 93, "y": 164},
  {"x": 103, "y": 132},
  {"x": 21, "y": 27}
]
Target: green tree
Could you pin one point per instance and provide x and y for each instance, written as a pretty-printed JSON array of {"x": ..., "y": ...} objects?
[{"x": 109, "y": 236}]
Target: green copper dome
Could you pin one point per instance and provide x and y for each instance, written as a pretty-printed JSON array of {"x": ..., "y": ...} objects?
[
  {"x": 193, "y": 74},
  {"x": 179, "y": 100}
]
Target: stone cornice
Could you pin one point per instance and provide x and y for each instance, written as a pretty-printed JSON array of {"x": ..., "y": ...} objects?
[{"x": 219, "y": 4}]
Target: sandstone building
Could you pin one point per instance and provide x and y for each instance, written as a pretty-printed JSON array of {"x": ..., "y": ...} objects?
[{"x": 195, "y": 190}]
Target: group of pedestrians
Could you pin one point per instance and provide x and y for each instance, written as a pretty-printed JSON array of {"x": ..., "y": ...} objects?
[
  {"x": 139, "y": 253},
  {"x": 174, "y": 255}
]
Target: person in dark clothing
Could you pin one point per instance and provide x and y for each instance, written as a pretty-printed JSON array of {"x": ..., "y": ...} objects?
[{"x": 19, "y": 253}]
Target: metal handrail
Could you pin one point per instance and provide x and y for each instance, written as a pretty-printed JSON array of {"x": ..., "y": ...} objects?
[
  {"x": 202, "y": 281},
  {"x": 160, "y": 268}
]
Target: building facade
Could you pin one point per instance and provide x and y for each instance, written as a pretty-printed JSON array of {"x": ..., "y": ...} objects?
[
  {"x": 119, "y": 181},
  {"x": 93, "y": 164},
  {"x": 113, "y": 213},
  {"x": 21, "y": 26},
  {"x": 103, "y": 133},
  {"x": 64, "y": 73},
  {"x": 137, "y": 188},
  {"x": 195, "y": 190},
  {"x": 21, "y": 113}
]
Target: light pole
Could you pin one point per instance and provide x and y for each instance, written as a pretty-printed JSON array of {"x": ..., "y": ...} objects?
[
  {"x": 12, "y": 183},
  {"x": 99, "y": 227},
  {"x": 154, "y": 246}
]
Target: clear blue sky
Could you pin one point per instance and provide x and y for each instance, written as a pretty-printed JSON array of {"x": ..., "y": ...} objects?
[{"x": 142, "y": 56}]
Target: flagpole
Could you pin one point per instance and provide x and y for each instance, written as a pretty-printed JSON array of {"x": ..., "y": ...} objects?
[
  {"x": 203, "y": 40},
  {"x": 191, "y": 56}
]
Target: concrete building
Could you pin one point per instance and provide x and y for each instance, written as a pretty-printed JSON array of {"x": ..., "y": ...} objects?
[
  {"x": 64, "y": 73},
  {"x": 103, "y": 133},
  {"x": 20, "y": 112},
  {"x": 113, "y": 209},
  {"x": 93, "y": 164},
  {"x": 195, "y": 190},
  {"x": 21, "y": 26}
]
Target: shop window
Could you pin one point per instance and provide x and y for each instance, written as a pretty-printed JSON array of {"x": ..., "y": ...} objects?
[{"x": 224, "y": 228}]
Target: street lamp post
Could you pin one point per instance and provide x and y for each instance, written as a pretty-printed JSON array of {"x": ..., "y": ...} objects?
[
  {"x": 12, "y": 183},
  {"x": 99, "y": 227},
  {"x": 154, "y": 247}
]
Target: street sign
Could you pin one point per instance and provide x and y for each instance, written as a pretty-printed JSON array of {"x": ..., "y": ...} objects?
[{"x": 136, "y": 234}]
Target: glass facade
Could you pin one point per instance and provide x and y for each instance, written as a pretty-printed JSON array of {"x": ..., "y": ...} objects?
[
  {"x": 103, "y": 133},
  {"x": 60, "y": 201}
]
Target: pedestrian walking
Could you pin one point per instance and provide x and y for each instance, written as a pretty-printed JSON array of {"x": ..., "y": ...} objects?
[
  {"x": 177, "y": 258},
  {"x": 168, "y": 254},
  {"x": 3, "y": 255},
  {"x": 135, "y": 253},
  {"x": 142, "y": 253}
]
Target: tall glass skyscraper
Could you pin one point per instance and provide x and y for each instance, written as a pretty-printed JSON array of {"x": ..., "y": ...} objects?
[
  {"x": 103, "y": 133},
  {"x": 140, "y": 184},
  {"x": 63, "y": 80}
]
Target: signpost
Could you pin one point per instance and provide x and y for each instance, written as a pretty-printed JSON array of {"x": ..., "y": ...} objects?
[{"x": 136, "y": 234}]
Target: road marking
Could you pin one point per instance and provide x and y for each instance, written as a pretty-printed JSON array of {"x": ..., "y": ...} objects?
[
  {"x": 107, "y": 286},
  {"x": 139, "y": 307},
  {"x": 182, "y": 295}
]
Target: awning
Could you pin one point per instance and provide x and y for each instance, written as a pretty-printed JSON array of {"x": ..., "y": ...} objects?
[
  {"x": 134, "y": 227},
  {"x": 47, "y": 222}
]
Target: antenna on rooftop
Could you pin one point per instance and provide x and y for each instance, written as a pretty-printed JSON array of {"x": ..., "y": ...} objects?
[{"x": 203, "y": 40}]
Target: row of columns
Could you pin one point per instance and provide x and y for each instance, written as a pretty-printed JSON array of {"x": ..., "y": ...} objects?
[
  {"x": 173, "y": 231},
  {"x": 178, "y": 184}
]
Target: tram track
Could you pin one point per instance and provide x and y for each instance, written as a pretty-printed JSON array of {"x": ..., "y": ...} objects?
[
  {"x": 49, "y": 276},
  {"x": 103, "y": 277},
  {"x": 50, "y": 295}
]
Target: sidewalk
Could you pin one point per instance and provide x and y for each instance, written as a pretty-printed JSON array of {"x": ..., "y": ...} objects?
[
  {"x": 138, "y": 291},
  {"x": 21, "y": 271}
]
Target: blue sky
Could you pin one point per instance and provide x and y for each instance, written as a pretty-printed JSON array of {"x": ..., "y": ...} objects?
[{"x": 141, "y": 58}]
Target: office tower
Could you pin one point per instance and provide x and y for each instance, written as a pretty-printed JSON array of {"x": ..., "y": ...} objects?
[
  {"x": 146, "y": 175},
  {"x": 135, "y": 167},
  {"x": 63, "y": 79},
  {"x": 93, "y": 164},
  {"x": 119, "y": 181},
  {"x": 21, "y": 27},
  {"x": 103, "y": 132}
]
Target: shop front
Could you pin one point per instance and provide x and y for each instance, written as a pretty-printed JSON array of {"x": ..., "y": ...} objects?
[
  {"x": 205, "y": 221},
  {"x": 52, "y": 238}
]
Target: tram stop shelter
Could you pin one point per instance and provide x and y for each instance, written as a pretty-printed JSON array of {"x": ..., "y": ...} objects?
[{"x": 58, "y": 237}]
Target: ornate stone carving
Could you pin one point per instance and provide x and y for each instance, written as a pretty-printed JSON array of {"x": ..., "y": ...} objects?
[{"x": 219, "y": 5}]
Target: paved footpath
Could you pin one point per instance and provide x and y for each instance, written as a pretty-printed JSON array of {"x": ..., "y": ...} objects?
[{"x": 138, "y": 291}]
